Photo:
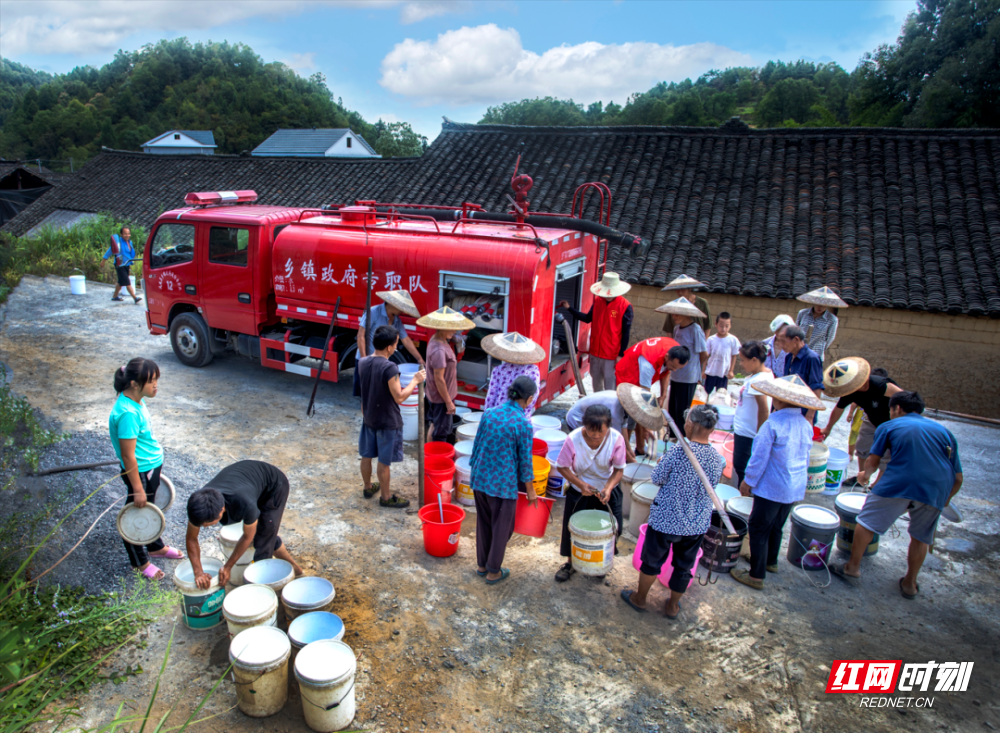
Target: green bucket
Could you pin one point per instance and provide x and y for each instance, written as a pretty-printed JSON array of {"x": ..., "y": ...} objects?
[{"x": 202, "y": 609}]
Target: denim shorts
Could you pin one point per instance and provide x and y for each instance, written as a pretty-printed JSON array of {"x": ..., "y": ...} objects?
[{"x": 386, "y": 445}]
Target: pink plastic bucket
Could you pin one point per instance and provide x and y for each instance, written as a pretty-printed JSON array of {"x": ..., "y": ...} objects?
[{"x": 668, "y": 567}]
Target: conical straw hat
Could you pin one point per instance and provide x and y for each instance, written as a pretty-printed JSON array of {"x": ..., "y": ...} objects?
[
  {"x": 683, "y": 282},
  {"x": 641, "y": 406},
  {"x": 610, "y": 286},
  {"x": 400, "y": 299},
  {"x": 446, "y": 319},
  {"x": 845, "y": 376},
  {"x": 790, "y": 389},
  {"x": 823, "y": 296},
  {"x": 513, "y": 348},
  {"x": 681, "y": 307}
]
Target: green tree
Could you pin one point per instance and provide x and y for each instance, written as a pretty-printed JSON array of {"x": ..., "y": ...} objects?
[
  {"x": 789, "y": 99},
  {"x": 398, "y": 140}
]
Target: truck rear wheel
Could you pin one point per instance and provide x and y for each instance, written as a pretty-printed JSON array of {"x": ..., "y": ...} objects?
[{"x": 189, "y": 340}]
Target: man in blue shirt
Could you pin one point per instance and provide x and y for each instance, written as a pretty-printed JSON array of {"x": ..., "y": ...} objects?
[
  {"x": 924, "y": 475},
  {"x": 802, "y": 360},
  {"x": 124, "y": 254}
]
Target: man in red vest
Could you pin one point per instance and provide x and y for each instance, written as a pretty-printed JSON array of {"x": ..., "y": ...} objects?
[
  {"x": 646, "y": 362},
  {"x": 611, "y": 326}
]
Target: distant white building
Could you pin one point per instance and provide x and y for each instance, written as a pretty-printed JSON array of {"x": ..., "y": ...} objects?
[
  {"x": 182, "y": 142},
  {"x": 316, "y": 143}
]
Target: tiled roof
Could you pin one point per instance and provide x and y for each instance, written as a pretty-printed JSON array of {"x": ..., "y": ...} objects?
[
  {"x": 889, "y": 218},
  {"x": 312, "y": 142},
  {"x": 8, "y": 166},
  {"x": 205, "y": 137}
]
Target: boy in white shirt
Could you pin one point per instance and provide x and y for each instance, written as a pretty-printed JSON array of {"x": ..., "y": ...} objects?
[{"x": 722, "y": 350}]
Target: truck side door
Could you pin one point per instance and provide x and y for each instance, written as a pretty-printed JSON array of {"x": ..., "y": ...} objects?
[
  {"x": 227, "y": 277},
  {"x": 171, "y": 272}
]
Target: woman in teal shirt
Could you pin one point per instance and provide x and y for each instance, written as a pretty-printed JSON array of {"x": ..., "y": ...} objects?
[{"x": 141, "y": 457}]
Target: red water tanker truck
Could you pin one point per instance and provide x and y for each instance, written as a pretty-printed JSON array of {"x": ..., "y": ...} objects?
[{"x": 226, "y": 275}]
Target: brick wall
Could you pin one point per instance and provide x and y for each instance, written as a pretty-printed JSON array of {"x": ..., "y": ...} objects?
[{"x": 953, "y": 361}]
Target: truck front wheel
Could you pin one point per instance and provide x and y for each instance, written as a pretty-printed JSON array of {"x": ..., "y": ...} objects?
[{"x": 189, "y": 340}]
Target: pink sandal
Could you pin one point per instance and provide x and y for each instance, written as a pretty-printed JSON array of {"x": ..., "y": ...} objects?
[
  {"x": 170, "y": 554},
  {"x": 151, "y": 571}
]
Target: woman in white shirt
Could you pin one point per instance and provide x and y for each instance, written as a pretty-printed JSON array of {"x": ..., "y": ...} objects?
[{"x": 753, "y": 407}]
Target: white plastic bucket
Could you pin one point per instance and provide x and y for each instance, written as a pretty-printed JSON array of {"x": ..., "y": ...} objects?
[
  {"x": 554, "y": 439},
  {"x": 229, "y": 535},
  {"x": 77, "y": 285},
  {"x": 467, "y": 431},
  {"x": 307, "y": 594},
  {"x": 836, "y": 467},
  {"x": 819, "y": 454},
  {"x": 260, "y": 670},
  {"x": 643, "y": 496},
  {"x": 592, "y": 542},
  {"x": 249, "y": 606},
  {"x": 315, "y": 626},
  {"x": 463, "y": 472},
  {"x": 410, "y": 412},
  {"x": 273, "y": 573},
  {"x": 726, "y": 417},
  {"x": 545, "y": 422},
  {"x": 131, "y": 281},
  {"x": 635, "y": 474},
  {"x": 471, "y": 417},
  {"x": 202, "y": 609},
  {"x": 463, "y": 448},
  {"x": 325, "y": 671},
  {"x": 406, "y": 373}
]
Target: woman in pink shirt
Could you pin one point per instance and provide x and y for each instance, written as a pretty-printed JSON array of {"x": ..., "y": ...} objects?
[{"x": 592, "y": 461}]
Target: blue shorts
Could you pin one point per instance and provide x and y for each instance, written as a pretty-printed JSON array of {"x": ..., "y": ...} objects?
[{"x": 386, "y": 445}]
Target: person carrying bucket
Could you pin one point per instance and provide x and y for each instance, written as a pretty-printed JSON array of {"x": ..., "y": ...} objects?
[
  {"x": 519, "y": 356},
  {"x": 592, "y": 461},
  {"x": 682, "y": 511},
  {"x": 776, "y": 473},
  {"x": 122, "y": 253},
  {"x": 648, "y": 361},
  {"x": 923, "y": 478},
  {"x": 251, "y": 492},
  {"x": 140, "y": 455},
  {"x": 501, "y": 461},
  {"x": 382, "y": 424}
]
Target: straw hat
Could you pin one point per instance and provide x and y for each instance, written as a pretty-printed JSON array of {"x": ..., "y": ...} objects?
[
  {"x": 513, "y": 348},
  {"x": 446, "y": 319},
  {"x": 681, "y": 307},
  {"x": 845, "y": 376},
  {"x": 782, "y": 320},
  {"x": 790, "y": 389},
  {"x": 683, "y": 282},
  {"x": 641, "y": 406},
  {"x": 610, "y": 286},
  {"x": 823, "y": 296},
  {"x": 400, "y": 299}
]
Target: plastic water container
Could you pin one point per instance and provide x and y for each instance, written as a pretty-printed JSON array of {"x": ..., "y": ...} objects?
[
  {"x": 667, "y": 569},
  {"x": 463, "y": 475},
  {"x": 819, "y": 455},
  {"x": 545, "y": 422},
  {"x": 307, "y": 594},
  {"x": 725, "y": 492},
  {"x": 643, "y": 496},
  {"x": 472, "y": 417},
  {"x": 229, "y": 536},
  {"x": 325, "y": 672},
  {"x": 273, "y": 572},
  {"x": 249, "y": 606},
  {"x": 467, "y": 431},
  {"x": 463, "y": 448},
  {"x": 721, "y": 548},
  {"x": 531, "y": 521},
  {"x": 814, "y": 529},
  {"x": 726, "y": 417},
  {"x": 849, "y": 506},
  {"x": 410, "y": 412},
  {"x": 77, "y": 284},
  {"x": 592, "y": 542},
  {"x": 836, "y": 468},
  {"x": 202, "y": 609},
  {"x": 554, "y": 439},
  {"x": 635, "y": 474},
  {"x": 406, "y": 373},
  {"x": 260, "y": 670},
  {"x": 441, "y": 536}
]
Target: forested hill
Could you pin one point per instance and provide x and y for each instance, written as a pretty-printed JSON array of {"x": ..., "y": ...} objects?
[
  {"x": 943, "y": 71},
  {"x": 222, "y": 87}
]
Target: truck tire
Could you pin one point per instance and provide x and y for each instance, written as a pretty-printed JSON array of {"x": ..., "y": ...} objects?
[{"x": 189, "y": 340}]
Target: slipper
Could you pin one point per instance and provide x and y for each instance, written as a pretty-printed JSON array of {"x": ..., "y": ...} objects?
[
  {"x": 481, "y": 574},
  {"x": 151, "y": 571},
  {"x": 627, "y": 597},
  {"x": 504, "y": 574},
  {"x": 118, "y": 300},
  {"x": 138, "y": 299},
  {"x": 838, "y": 569},
  {"x": 171, "y": 554},
  {"x": 369, "y": 493},
  {"x": 674, "y": 617},
  {"x": 908, "y": 596}
]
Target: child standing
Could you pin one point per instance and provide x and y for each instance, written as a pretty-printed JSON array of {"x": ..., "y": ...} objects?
[{"x": 722, "y": 350}]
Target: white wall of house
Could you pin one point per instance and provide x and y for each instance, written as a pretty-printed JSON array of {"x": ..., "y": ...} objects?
[
  {"x": 177, "y": 143},
  {"x": 348, "y": 147}
]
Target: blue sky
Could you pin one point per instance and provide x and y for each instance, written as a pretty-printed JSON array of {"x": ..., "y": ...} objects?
[{"x": 417, "y": 61}]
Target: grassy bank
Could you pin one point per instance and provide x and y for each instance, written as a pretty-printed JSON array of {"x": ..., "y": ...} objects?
[{"x": 75, "y": 251}]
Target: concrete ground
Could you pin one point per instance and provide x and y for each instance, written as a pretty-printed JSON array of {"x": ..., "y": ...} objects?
[{"x": 440, "y": 650}]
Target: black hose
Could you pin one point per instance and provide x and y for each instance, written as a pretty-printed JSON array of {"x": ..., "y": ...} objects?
[{"x": 623, "y": 239}]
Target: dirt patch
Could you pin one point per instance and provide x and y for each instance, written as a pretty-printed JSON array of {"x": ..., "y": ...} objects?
[{"x": 440, "y": 650}]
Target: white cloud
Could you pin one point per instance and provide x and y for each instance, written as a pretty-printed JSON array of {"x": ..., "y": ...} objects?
[
  {"x": 414, "y": 12},
  {"x": 487, "y": 65},
  {"x": 301, "y": 62}
]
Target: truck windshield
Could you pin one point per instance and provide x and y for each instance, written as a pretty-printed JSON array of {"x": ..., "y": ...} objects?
[{"x": 172, "y": 245}]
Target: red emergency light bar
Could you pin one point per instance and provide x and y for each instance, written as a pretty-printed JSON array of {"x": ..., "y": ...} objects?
[{"x": 216, "y": 198}]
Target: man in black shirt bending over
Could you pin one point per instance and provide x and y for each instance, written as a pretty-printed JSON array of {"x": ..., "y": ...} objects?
[{"x": 251, "y": 492}]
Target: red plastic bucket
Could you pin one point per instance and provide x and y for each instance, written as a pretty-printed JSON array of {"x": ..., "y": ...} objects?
[
  {"x": 441, "y": 539},
  {"x": 668, "y": 565},
  {"x": 439, "y": 478},
  {"x": 532, "y": 520},
  {"x": 539, "y": 447},
  {"x": 439, "y": 449}
]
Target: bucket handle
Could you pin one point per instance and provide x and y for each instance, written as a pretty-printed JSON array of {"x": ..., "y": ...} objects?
[
  {"x": 815, "y": 553},
  {"x": 708, "y": 580},
  {"x": 331, "y": 706}
]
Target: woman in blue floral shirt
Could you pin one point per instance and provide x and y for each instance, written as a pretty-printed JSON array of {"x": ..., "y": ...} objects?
[
  {"x": 681, "y": 513},
  {"x": 501, "y": 459}
]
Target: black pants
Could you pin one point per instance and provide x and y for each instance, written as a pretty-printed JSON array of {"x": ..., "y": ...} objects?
[
  {"x": 742, "y": 448},
  {"x": 656, "y": 548},
  {"x": 714, "y": 383},
  {"x": 138, "y": 555},
  {"x": 437, "y": 415},
  {"x": 266, "y": 539},
  {"x": 767, "y": 523},
  {"x": 494, "y": 527},
  {"x": 577, "y": 502},
  {"x": 681, "y": 394}
]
